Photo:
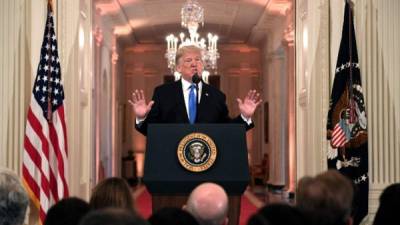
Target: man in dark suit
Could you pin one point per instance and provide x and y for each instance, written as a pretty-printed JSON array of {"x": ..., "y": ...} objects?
[{"x": 176, "y": 102}]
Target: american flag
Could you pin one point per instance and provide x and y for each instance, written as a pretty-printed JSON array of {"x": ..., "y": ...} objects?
[{"x": 44, "y": 168}]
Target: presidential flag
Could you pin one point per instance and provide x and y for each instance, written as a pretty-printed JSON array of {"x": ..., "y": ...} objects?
[
  {"x": 347, "y": 119},
  {"x": 45, "y": 156}
]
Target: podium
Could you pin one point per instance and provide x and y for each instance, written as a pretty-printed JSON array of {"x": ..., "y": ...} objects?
[{"x": 170, "y": 183}]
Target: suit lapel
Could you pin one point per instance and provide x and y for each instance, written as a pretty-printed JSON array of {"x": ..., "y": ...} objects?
[
  {"x": 183, "y": 114},
  {"x": 202, "y": 110}
]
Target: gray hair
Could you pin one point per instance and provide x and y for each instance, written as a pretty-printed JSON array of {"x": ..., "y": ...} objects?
[{"x": 13, "y": 199}]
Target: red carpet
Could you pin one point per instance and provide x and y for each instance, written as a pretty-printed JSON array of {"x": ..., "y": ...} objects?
[
  {"x": 143, "y": 205},
  {"x": 247, "y": 209}
]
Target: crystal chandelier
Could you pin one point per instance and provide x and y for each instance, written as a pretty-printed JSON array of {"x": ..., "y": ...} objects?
[{"x": 192, "y": 14}]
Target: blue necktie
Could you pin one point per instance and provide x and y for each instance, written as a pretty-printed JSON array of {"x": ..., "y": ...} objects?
[{"x": 192, "y": 104}]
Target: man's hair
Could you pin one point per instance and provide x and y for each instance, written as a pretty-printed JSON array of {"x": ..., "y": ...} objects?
[
  {"x": 172, "y": 216},
  {"x": 326, "y": 199},
  {"x": 389, "y": 205},
  {"x": 276, "y": 214},
  {"x": 68, "y": 211},
  {"x": 13, "y": 199},
  {"x": 208, "y": 203},
  {"x": 112, "y": 216},
  {"x": 189, "y": 48},
  {"x": 112, "y": 192}
]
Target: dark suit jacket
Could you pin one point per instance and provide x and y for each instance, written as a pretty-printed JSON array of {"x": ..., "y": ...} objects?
[{"x": 169, "y": 107}]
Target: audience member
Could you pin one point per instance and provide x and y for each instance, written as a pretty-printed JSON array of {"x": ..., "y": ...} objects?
[
  {"x": 172, "y": 216},
  {"x": 326, "y": 199},
  {"x": 13, "y": 199},
  {"x": 68, "y": 211},
  {"x": 113, "y": 216},
  {"x": 389, "y": 206},
  {"x": 277, "y": 214},
  {"x": 112, "y": 192},
  {"x": 208, "y": 203}
]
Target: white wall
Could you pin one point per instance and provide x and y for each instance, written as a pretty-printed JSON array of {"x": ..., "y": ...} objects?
[{"x": 17, "y": 67}]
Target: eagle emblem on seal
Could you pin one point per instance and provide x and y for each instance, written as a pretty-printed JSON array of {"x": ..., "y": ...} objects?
[{"x": 197, "y": 152}]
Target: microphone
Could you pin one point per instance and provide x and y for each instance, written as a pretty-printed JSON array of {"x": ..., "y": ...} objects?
[{"x": 195, "y": 78}]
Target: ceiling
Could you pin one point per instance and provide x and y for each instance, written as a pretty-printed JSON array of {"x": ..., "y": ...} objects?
[{"x": 234, "y": 21}]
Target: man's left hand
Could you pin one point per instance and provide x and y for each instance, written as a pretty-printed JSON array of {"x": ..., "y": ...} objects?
[{"x": 249, "y": 104}]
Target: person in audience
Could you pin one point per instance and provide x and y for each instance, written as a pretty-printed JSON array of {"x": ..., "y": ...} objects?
[
  {"x": 277, "y": 214},
  {"x": 113, "y": 216},
  {"x": 172, "y": 216},
  {"x": 13, "y": 199},
  {"x": 326, "y": 199},
  {"x": 389, "y": 206},
  {"x": 68, "y": 211},
  {"x": 208, "y": 203},
  {"x": 112, "y": 192}
]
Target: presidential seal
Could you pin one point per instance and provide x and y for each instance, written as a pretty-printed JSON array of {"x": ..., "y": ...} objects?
[{"x": 196, "y": 152}]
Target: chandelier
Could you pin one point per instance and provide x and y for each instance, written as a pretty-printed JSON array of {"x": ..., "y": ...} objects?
[{"x": 192, "y": 14}]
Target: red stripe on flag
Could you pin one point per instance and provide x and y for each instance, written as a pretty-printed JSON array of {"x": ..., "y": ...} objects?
[
  {"x": 32, "y": 152},
  {"x": 338, "y": 137},
  {"x": 42, "y": 214},
  {"x": 37, "y": 127},
  {"x": 60, "y": 111},
  {"x": 33, "y": 186},
  {"x": 340, "y": 142},
  {"x": 35, "y": 157},
  {"x": 60, "y": 161},
  {"x": 61, "y": 114},
  {"x": 53, "y": 186}
]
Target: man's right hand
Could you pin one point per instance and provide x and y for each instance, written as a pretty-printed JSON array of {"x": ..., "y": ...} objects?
[{"x": 139, "y": 104}]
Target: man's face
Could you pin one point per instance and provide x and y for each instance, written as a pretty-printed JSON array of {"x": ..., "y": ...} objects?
[{"x": 189, "y": 64}]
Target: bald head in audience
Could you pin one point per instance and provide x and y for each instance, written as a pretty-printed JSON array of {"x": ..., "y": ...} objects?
[{"x": 208, "y": 203}]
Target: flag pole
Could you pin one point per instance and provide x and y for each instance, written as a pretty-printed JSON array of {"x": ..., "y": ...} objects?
[
  {"x": 49, "y": 75},
  {"x": 351, "y": 3}
]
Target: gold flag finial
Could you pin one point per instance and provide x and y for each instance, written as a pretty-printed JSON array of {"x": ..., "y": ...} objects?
[{"x": 50, "y": 3}]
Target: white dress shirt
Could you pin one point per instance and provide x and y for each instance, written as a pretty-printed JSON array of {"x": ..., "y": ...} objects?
[{"x": 186, "y": 90}]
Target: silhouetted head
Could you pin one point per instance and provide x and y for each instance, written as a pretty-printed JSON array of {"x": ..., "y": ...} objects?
[
  {"x": 68, "y": 211},
  {"x": 112, "y": 192},
  {"x": 113, "y": 216},
  {"x": 326, "y": 199},
  {"x": 172, "y": 216},
  {"x": 389, "y": 206},
  {"x": 277, "y": 214}
]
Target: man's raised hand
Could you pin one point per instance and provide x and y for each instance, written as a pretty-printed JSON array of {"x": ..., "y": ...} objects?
[
  {"x": 249, "y": 104},
  {"x": 139, "y": 104}
]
